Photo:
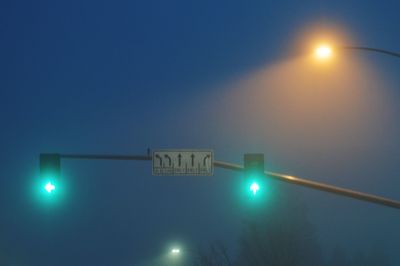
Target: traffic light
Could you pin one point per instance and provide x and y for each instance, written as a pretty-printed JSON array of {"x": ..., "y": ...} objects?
[
  {"x": 254, "y": 171},
  {"x": 50, "y": 171}
]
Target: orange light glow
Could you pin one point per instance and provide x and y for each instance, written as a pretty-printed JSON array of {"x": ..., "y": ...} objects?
[{"x": 323, "y": 52}]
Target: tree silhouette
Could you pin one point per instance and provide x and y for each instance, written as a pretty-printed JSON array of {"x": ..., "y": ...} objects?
[
  {"x": 274, "y": 236},
  {"x": 216, "y": 255},
  {"x": 280, "y": 234}
]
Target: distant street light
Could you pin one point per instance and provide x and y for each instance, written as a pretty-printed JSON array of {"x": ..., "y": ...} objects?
[
  {"x": 179, "y": 255},
  {"x": 175, "y": 251}
]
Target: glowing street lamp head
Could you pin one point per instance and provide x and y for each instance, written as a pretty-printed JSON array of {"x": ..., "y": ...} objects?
[
  {"x": 175, "y": 251},
  {"x": 323, "y": 52},
  {"x": 254, "y": 188},
  {"x": 49, "y": 187}
]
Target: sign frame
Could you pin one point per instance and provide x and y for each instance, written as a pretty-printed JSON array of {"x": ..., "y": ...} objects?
[{"x": 183, "y": 162}]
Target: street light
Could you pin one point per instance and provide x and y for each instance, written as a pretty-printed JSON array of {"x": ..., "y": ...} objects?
[
  {"x": 175, "y": 251},
  {"x": 180, "y": 255},
  {"x": 323, "y": 52}
]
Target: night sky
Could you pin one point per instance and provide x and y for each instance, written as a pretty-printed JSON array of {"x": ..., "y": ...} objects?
[{"x": 119, "y": 77}]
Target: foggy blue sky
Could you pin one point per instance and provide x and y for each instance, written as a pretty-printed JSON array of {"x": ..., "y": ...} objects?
[{"x": 122, "y": 76}]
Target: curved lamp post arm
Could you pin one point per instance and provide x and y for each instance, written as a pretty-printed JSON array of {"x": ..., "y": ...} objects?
[{"x": 370, "y": 49}]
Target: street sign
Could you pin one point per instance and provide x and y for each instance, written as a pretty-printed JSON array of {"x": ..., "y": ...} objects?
[{"x": 183, "y": 162}]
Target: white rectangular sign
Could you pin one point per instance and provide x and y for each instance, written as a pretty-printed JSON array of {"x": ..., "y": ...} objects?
[{"x": 183, "y": 162}]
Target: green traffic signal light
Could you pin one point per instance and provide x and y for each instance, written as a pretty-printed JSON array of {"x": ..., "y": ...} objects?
[
  {"x": 49, "y": 187},
  {"x": 254, "y": 170},
  {"x": 50, "y": 170},
  {"x": 254, "y": 188}
]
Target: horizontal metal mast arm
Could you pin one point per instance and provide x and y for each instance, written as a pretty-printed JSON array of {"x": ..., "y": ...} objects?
[
  {"x": 336, "y": 190},
  {"x": 319, "y": 186},
  {"x": 282, "y": 177},
  {"x": 229, "y": 166},
  {"x": 106, "y": 157}
]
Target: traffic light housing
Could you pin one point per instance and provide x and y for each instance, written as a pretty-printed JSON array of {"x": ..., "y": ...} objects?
[
  {"x": 254, "y": 170},
  {"x": 50, "y": 170}
]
